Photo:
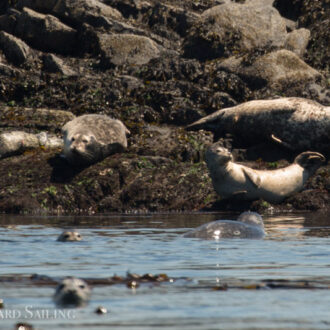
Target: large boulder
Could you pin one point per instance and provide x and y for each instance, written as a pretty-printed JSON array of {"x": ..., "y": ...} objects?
[
  {"x": 45, "y": 119},
  {"x": 93, "y": 12},
  {"x": 297, "y": 41},
  {"x": 119, "y": 49},
  {"x": 232, "y": 28},
  {"x": 15, "y": 50},
  {"x": 279, "y": 70},
  {"x": 45, "y": 32}
]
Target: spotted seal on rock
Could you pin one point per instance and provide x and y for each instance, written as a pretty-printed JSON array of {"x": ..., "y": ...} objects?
[
  {"x": 231, "y": 179},
  {"x": 69, "y": 236},
  {"x": 72, "y": 292},
  {"x": 248, "y": 225},
  {"x": 17, "y": 142},
  {"x": 296, "y": 123},
  {"x": 90, "y": 138}
]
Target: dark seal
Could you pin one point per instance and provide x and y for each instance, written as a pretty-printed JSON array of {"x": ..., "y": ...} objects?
[{"x": 247, "y": 225}]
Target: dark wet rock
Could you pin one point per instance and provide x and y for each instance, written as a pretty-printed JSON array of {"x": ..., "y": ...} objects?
[
  {"x": 278, "y": 70},
  {"x": 233, "y": 28},
  {"x": 119, "y": 49},
  {"x": 171, "y": 143},
  {"x": 38, "y": 119},
  {"x": 45, "y": 32},
  {"x": 52, "y": 63},
  {"x": 317, "y": 92},
  {"x": 6, "y": 70},
  {"x": 120, "y": 183},
  {"x": 313, "y": 15},
  {"x": 76, "y": 12},
  {"x": 15, "y": 50}
]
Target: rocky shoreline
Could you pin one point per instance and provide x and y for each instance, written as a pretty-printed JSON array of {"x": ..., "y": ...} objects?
[{"x": 158, "y": 67}]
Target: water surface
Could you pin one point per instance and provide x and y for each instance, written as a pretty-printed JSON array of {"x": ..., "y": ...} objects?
[{"x": 296, "y": 248}]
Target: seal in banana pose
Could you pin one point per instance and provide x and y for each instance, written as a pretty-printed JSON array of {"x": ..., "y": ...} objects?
[
  {"x": 231, "y": 179},
  {"x": 90, "y": 138},
  {"x": 296, "y": 123},
  {"x": 72, "y": 292},
  {"x": 248, "y": 225}
]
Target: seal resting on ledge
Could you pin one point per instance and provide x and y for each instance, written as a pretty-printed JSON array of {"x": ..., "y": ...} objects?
[
  {"x": 295, "y": 123},
  {"x": 91, "y": 138},
  {"x": 247, "y": 225},
  {"x": 235, "y": 180}
]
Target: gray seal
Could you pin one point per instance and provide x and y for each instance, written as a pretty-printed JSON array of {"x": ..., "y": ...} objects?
[
  {"x": 235, "y": 180},
  {"x": 69, "y": 236},
  {"x": 90, "y": 138},
  {"x": 295, "y": 123},
  {"x": 248, "y": 225},
  {"x": 72, "y": 292}
]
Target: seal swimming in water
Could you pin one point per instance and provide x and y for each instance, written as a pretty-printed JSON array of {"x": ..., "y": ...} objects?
[
  {"x": 72, "y": 292},
  {"x": 231, "y": 179},
  {"x": 69, "y": 236},
  {"x": 248, "y": 225},
  {"x": 296, "y": 123},
  {"x": 90, "y": 138}
]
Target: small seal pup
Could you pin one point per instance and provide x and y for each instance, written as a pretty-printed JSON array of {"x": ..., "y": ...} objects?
[
  {"x": 231, "y": 179},
  {"x": 295, "y": 123},
  {"x": 72, "y": 292},
  {"x": 248, "y": 225},
  {"x": 69, "y": 236},
  {"x": 90, "y": 138}
]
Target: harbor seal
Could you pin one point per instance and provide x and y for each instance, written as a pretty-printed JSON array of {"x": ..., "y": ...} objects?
[
  {"x": 296, "y": 123},
  {"x": 231, "y": 179},
  {"x": 248, "y": 225},
  {"x": 72, "y": 292},
  {"x": 69, "y": 236},
  {"x": 17, "y": 142},
  {"x": 90, "y": 138}
]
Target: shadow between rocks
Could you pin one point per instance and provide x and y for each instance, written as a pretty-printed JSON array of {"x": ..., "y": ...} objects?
[{"x": 62, "y": 172}]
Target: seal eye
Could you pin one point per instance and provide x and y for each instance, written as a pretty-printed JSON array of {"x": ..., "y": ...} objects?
[
  {"x": 72, "y": 139},
  {"x": 82, "y": 286},
  {"x": 85, "y": 141},
  {"x": 66, "y": 236}
]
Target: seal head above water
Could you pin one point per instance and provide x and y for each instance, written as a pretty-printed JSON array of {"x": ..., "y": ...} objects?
[
  {"x": 72, "y": 292},
  {"x": 69, "y": 236},
  {"x": 90, "y": 138},
  {"x": 248, "y": 225},
  {"x": 235, "y": 180}
]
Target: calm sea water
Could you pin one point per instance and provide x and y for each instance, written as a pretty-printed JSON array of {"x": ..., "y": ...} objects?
[{"x": 296, "y": 247}]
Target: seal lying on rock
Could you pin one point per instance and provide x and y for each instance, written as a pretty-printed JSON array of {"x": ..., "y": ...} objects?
[
  {"x": 231, "y": 179},
  {"x": 72, "y": 292},
  {"x": 248, "y": 225},
  {"x": 90, "y": 138},
  {"x": 17, "y": 142},
  {"x": 297, "y": 123},
  {"x": 69, "y": 236}
]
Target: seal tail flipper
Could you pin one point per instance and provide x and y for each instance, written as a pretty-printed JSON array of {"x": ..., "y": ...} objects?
[
  {"x": 251, "y": 176},
  {"x": 200, "y": 123}
]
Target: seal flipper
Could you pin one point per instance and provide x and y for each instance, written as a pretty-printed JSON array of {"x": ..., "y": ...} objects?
[
  {"x": 281, "y": 143},
  {"x": 252, "y": 176}
]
